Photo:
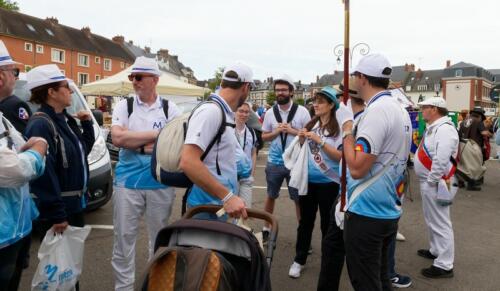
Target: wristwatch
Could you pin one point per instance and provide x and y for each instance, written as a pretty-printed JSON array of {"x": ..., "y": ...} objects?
[{"x": 346, "y": 133}]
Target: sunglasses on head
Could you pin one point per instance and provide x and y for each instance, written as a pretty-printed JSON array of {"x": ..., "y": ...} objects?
[{"x": 15, "y": 71}]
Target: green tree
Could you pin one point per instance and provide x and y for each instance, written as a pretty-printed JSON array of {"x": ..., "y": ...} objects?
[
  {"x": 270, "y": 97},
  {"x": 213, "y": 83},
  {"x": 300, "y": 101},
  {"x": 9, "y": 5}
]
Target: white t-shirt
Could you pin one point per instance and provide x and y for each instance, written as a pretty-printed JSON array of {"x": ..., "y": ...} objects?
[
  {"x": 246, "y": 140},
  {"x": 133, "y": 170},
  {"x": 270, "y": 124},
  {"x": 202, "y": 128},
  {"x": 383, "y": 130}
]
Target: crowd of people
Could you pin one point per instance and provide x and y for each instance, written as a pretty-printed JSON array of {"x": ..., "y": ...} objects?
[{"x": 372, "y": 132}]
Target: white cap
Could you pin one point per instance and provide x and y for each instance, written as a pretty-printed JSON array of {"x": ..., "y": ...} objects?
[
  {"x": 43, "y": 75},
  {"x": 243, "y": 73},
  {"x": 374, "y": 65},
  {"x": 146, "y": 65},
  {"x": 5, "y": 58},
  {"x": 434, "y": 101},
  {"x": 286, "y": 78}
]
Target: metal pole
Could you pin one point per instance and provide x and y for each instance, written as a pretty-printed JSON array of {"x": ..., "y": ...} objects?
[{"x": 343, "y": 181}]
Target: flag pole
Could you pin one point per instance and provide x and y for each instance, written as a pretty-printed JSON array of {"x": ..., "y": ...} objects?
[{"x": 347, "y": 53}]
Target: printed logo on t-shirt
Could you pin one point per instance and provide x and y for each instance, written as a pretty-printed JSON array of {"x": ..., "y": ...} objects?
[
  {"x": 23, "y": 114},
  {"x": 362, "y": 145}
]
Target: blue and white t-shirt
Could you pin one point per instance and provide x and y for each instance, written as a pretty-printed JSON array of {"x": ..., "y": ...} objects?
[
  {"x": 270, "y": 124},
  {"x": 384, "y": 130},
  {"x": 321, "y": 168},
  {"x": 133, "y": 170},
  {"x": 202, "y": 128},
  {"x": 246, "y": 140}
]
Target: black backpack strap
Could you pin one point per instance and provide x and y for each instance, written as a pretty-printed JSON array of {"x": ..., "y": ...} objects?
[
  {"x": 291, "y": 115},
  {"x": 130, "y": 105},
  {"x": 58, "y": 141},
  {"x": 164, "y": 103},
  {"x": 252, "y": 132}
]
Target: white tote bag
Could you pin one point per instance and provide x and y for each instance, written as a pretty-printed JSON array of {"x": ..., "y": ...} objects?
[{"x": 61, "y": 259}]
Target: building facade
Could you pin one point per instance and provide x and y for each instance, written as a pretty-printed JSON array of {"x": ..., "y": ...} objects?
[{"x": 81, "y": 55}]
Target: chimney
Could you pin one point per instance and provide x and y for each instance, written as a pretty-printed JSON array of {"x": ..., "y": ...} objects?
[
  {"x": 419, "y": 74},
  {"x": 412, "y": 68},
  {"x": 147, "y": 49},
  {"x": 335, "y": 72},
  {"x": 176, "y": 58},
  {"x": 162, "y": 54},
  {"x": 52, "y": 20},
  {"x": 448, "y": 63},
  {"x": 119, "y": 39},
  {"x": 407, "y": 67},
  {"x": 86, "y": 31}
]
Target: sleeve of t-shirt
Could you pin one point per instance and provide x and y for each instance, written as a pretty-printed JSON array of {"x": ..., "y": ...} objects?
[
  {"x": 371, "y": 132},
  {"x": 120, "y": 114},
  {"x": 173, "y": 111},
  {"x": 203, "y": 125},
  {"x": 305, "y": 117},
  {"x": 267, "y": 125}
]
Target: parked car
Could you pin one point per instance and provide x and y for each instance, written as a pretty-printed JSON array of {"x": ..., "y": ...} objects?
[{"x": 100, "y": 186}]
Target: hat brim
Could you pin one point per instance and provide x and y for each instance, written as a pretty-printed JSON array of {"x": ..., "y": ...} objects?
[
  {"x": 32, "y": 85},
  {"x": 8, "y": 63}
]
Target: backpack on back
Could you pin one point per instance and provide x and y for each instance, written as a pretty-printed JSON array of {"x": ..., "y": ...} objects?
[{"x": 166, "y": 155}]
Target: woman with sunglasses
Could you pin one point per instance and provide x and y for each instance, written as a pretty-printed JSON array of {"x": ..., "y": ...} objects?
[
  {"x": 324, "y": 136},
  {"x": 60, "y": 191}
]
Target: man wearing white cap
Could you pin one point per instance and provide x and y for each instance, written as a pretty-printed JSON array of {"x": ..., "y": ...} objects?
[
  {"x": 280, "y": 126},
  {"x": 135, "y": 125},
  {"x": 375, "y": 152},
  {"x": 20, "y": 162},
  {"x": 435, "y": 166},
  {"x": 215, "y": 177}
]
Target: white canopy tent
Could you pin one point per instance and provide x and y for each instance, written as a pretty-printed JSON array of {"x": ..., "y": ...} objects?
[{"x": 119, "y": 85}]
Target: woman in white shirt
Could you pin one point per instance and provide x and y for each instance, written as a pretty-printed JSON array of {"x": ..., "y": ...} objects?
[{"x": 324, "y": 136}]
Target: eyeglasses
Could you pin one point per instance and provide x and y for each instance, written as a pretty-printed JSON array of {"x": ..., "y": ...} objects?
[
  {"x": 65, "y": 85},
  {"x": 281, "y": 90},
  {"x": 15, "y": 71},
  {"x": 138, "y": 78}
]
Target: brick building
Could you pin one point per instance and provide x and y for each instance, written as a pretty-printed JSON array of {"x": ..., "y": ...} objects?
[{"x": 81, "y": 55}]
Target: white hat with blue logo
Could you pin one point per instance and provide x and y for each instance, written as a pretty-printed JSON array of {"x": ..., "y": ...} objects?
[
  {"x": 5, "y": 58},
  {"x": 43, "y": 75},
  {"x": 146, "y": 66}
]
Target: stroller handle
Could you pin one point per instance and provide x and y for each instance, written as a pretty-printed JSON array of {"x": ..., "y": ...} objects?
[{"x": 252, "y": 213}]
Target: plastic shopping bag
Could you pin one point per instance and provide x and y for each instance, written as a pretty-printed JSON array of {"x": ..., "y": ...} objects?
[{"x": 61, "y": 259}]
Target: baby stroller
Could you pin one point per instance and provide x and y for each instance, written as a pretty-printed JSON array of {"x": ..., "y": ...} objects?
[{"x": 209, "y": 255}]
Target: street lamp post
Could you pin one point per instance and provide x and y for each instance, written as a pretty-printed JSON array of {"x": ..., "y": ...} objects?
[{"x": 361, "y": 47}]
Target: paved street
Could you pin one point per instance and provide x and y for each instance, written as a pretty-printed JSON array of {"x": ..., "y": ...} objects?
[{"x": 476, "y": 220}]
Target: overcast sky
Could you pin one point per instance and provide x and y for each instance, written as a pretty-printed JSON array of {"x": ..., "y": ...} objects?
[{"x": 290, "y": 36}]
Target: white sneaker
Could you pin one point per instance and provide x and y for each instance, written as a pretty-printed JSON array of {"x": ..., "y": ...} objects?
[
  {"x": 400, "y": 237},
  {"x": 295, "y": 270}
]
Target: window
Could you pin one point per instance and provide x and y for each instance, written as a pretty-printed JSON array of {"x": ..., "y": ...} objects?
[
  {"x": 83, "y": 60},
  {"x": 97, "y": 60},
  {"x": 28, "y": 47},
  {"x": 49, "y": 32},
  {"x": 83, "y": 78},
  {"x": 97, "y": 77},
  {"x": 422, "y": 87},
  {"x": 408, "y": 88},
  {"x": 107, "y": 65},
  {"x": 39, "y": 49},
  {"x": 58, "y": 56},
  {"x": 30, "y": 27},
  {"x": 458, "y": 73},
  {"x": 122, "y": 65},
  {"x": 27, "y": 68}
]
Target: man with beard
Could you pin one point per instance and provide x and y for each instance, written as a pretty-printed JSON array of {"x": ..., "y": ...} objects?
[
  {"x": 281, "y": 124},
  {"x": 215, "y": 177}
]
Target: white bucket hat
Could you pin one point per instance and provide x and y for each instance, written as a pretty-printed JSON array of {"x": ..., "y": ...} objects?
[
  {"x": 374, "y": 65},
  {"x": 244, "y": 73},
  {"x": 146, "y": 66},
  {"x": 434, "y": 101},
  {"x": 5, "y": 58},
  {"x": 43, "y": 75},
  {"x": 287, "y": 79}
]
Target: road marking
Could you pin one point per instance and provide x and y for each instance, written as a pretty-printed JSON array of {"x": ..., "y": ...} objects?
[
  {"x": 101, "y": 226},
  {"x": 264, "y": 187}
]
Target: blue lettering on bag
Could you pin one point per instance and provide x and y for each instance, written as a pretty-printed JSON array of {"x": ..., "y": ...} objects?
[{"x": 51, "y": 271}]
